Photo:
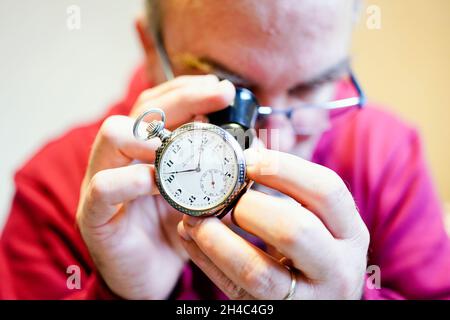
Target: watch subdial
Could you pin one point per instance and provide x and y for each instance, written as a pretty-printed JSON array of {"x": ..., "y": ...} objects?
[{"x": 212, "y": 182}]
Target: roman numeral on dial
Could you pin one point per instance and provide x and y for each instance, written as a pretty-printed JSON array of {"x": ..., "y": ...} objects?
[
  {"x": 170, "y": 178},
  {"x": 169, "y": 163}
]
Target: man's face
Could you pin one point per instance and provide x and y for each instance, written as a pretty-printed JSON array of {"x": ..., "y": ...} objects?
[{"x": 278, "y": 49}]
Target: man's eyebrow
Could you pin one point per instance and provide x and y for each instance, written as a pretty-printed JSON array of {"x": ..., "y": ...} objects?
[{"x": 207, "y": 65}]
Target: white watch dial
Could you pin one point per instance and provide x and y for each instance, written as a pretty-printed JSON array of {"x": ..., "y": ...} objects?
[{"x": 199, "y": 169}]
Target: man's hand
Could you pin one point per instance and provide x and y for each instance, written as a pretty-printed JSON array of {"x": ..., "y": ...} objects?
[
  {"x": 320, "y": 234},
  {"x": 129, "y": 230}
]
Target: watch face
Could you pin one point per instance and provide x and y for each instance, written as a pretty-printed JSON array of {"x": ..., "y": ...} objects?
[{"x": 199, "y": 169}]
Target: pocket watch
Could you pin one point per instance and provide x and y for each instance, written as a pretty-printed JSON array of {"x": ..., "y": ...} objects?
[{"x": 199, "y": 167}]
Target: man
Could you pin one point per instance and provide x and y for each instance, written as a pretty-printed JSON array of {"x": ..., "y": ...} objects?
[{"x": 347, "y": 175}]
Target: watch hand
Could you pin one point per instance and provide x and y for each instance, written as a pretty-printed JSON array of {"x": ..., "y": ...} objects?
[{"x": 189, "y": 170}]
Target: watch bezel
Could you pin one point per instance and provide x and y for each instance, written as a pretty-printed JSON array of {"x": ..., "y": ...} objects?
[{"x": 241, "y": 180}]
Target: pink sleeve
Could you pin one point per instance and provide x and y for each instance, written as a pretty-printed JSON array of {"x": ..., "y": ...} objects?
[{"x": 408, "y": 238}]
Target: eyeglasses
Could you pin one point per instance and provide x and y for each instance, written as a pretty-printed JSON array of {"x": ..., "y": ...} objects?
[
  {"x": 358, "y": 100},
  {"x": 353, "y": 97}
]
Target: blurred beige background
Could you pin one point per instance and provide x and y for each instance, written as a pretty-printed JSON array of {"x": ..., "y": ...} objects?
[
  {"x": 406, "y": 66},
  {"x": 52, "y": 77}
]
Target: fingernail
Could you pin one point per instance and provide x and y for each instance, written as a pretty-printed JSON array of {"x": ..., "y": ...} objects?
[
  {"x": 229, "y": 89},
  {"x": 182, "y": 232}
]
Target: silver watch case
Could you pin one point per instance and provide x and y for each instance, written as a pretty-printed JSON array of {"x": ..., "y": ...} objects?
[{"x": 241, "y": 181}]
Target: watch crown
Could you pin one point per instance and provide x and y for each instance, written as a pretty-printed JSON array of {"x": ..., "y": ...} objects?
[{"x": 154, "y": 127}]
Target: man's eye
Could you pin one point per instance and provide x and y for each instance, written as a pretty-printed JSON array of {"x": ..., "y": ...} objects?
[
  {"x": 304, "y": 92},
  {"x": 311, "y": 89}
]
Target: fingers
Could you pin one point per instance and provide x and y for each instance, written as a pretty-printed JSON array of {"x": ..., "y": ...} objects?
[
  {"x": 227, "y": 286},
  {"x": 109, "y": 188},
  {"x": 244, "y": 265},
  {"x": 186, "y": 97},
  {"x": 291, "y": 229},
  {"x": 168, "y": 86},
  {"x": 115, "y": 146},
  {"x": 317, "y": 188}
]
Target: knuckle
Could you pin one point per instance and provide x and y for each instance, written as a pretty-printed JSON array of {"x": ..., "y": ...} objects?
[
  {"x": 108, "y": 130},
  {"x": 335, "y": 192},
  {"x": 233, "y": 291},
  {"x": 257, "y": 277},
  {"x": 344, "y": 283},
  {"x": 144, "y": 96},
  {"x": 187, "y": 92},
  {"x": 348, "y": 274},
  {"x": 202, "y": 233},
  {"x": 364, "y": 236},
  {"x": 141, "y": 181},
  {"x": 296, "y": 233},
  {"x": 288, "y": 238},
  {"x": 349, "y": 284},
  {"x": 98, "y": 187}
]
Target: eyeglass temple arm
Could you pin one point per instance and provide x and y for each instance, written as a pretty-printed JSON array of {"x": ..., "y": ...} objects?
[
  {"x": 163, "y": 57},
  {"x": 359, "y": 90},
  {"x": 359, "y": 101}
]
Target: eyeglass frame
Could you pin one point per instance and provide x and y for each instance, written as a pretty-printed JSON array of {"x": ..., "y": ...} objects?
[{"x": 357, "y": 101}]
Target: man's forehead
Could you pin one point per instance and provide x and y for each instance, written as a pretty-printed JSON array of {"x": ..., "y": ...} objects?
[
  {"x": 266, "y": 17},
  {"x": 260, "y": 38}
]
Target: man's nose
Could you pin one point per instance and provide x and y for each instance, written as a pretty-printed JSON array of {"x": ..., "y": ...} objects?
[{"x": 278, "y": 134}]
